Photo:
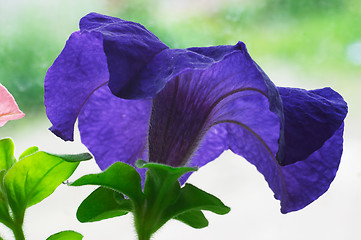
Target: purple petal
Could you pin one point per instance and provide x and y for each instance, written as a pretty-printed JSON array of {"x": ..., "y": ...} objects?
[
  {"x": 170, "y": 63},
  {"x": 232, "y": 90},
  {"x": 216, "y": 53},
  {"x": 128, "y": 46},
  {"x": 300, "y": 183},
  {"x": 306, "y": 180},
  {"x": 78, "y": 71},
  {"x": 114, "y": 129},
  {"x": 139, "y": 64},
  {"x": 295, "y": 185},
  {"x": 213, "y": 144},
  {"x": 311, "y": 117}
]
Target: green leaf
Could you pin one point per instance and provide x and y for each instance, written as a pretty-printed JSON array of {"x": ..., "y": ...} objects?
[
  {"x": 193, "y": 198},
  {"x": 120, "y": 177},
  {"x": 4, "y": 206},
  {"x": 7, "y": 158},
  {"x": 74, "y": 157},
  {"x": 34, "y": 178},
  {"x": 101, "y": 204},
  {"x": 164, "y": 171},
  {"x": 29, "y": 151},
  {"x": 66, "y": 235},
  {"x": 193, "y": 218},
  {"x": 161, "y": 183},
  {"x": 162, "y": 190}
]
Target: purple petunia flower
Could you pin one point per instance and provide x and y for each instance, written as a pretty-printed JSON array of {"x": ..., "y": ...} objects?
[{"x": 136, "y": 98}]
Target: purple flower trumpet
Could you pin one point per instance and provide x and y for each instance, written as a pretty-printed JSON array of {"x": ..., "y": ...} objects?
[{"x": 135, "y": 98}]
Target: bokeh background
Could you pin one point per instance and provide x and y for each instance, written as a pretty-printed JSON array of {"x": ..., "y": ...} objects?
[{"x": 308, "y": 44}]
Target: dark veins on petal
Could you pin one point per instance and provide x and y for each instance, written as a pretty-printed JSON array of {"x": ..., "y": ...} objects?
[{"x": 184, "y": 111}]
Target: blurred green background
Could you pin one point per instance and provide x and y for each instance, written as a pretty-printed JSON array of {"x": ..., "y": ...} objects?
[
  {"x": 320, "y": 40},
  {"x": 299, "y": 43}
]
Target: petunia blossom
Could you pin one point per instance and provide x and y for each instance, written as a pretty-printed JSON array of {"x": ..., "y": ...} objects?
[
  {"x": 135, "y": 98},
  {"x": 9, "y": 110}
]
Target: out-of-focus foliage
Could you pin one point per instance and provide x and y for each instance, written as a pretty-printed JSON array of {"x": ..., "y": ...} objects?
[
  {"x": 32, "y": 34},
  {"x": 314, "y": 35},
  {"x": 305, "y": 7},
  {"x": 24, "y": 57}
]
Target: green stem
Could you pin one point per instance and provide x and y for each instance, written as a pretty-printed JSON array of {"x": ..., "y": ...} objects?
[
  {"x": 18, "y": 232},
  {"x": 141, "y": 223},
  {"x": 147, "y": 216},
  {"x": 161, "y": 191},
  {"x": 143, "y": 236},
  {"x": 17, "y": 227}
]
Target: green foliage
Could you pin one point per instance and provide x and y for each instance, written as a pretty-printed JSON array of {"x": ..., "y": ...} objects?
[
  {"x": 75, "y": 158},
  {"x": 28, "y": 181},
  {"x": 5, "y": 217},
  {"x": 7, "y": 158},
  {"x": 66, "y": 235},
  {"x": 163, "y": 198},
  {"x": 304, "y": 7},
  {"x": 193, "y": 198},
  {"x": 103, "y": 203},
  {"x": 28, "y": 152},
  {"x": 34, "y": 178},
  {"x": 119, "y": 177},
  {"x": 159, "y": 175},
  {"x": 193, "y": 218}
]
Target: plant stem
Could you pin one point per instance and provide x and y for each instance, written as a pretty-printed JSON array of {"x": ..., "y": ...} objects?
[
  {"x": 143, "y": 236},
  {"x": 18, "y": 232},
  {"x": 141, "y": 223}
]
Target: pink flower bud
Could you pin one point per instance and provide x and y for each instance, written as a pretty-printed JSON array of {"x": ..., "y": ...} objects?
[{"x": 9, "y": 110}]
